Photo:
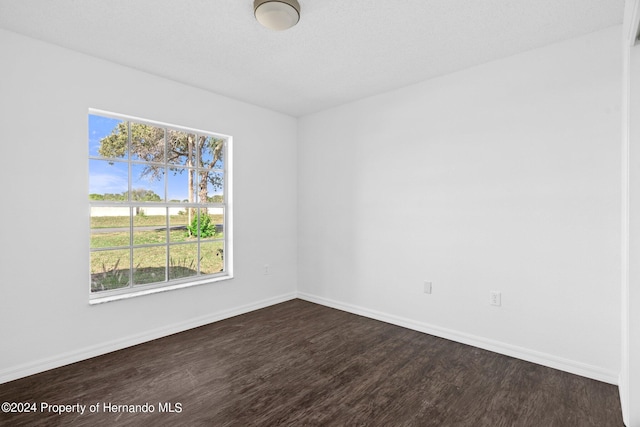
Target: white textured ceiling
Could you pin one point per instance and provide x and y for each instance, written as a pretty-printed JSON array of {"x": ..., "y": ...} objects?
[{"x": 341, "y": 50}]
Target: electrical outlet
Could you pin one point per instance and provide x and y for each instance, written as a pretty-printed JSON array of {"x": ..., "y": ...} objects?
[
  {"x": 265, "y": 270},
  {"x": 427, "y": 287},
  {"x": 495, "y": 298}
]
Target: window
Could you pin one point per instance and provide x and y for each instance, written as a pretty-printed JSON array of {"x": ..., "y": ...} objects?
[{"x": 159, "y": 204}]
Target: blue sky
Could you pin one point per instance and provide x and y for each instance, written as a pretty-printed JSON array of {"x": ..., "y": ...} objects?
[{"x": 106, "y": 178}]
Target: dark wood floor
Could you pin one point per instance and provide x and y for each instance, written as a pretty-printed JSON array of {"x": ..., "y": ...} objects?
[{"x": 300, "y": 364}]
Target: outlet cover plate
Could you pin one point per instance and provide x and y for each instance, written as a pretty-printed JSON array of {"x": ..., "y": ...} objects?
[
  {"x": 427, "y": 287},
  {"x": 495, "y": 298}
]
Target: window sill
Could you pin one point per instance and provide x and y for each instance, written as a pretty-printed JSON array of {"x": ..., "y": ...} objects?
[{"x": 95, "y": 300}]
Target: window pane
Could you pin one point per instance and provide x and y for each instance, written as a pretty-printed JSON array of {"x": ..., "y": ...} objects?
[
  {"x": 211, "y": 257},
  {"x": 110, "y": 226},
  {"x": 147, "y": 143},
  {"x": 178, "y": 188},
  {"x": 149, "y": 265},
  {"x": 216, "y": 221},
  {"x": 108, "y": 180},
  {"x": 211, "y": 187},
  {"x": 205, "y": 223},
  {"x": 149, "y": 225},
  {"x": 178, "y": 221},
  {"x": 181, "y": 148},
  {"x": 147, "y": 183},
  {"x": 211, "y": 152},
  {"x": 109, "y": 270},
  {"x": 183, "y": 260},
  {"x": 107, "y": 137}
]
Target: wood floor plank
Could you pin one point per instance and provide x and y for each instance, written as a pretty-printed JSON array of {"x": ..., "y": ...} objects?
[{"x": 302, "y": 364}]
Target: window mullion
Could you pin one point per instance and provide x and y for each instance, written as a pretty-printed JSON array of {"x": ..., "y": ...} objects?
[
  {"x": 129, "y": 186},
  {"x": 167, "y": 210}
]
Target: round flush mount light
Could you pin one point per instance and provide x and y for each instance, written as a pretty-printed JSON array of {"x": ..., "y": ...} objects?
[{"x": 277, "y": 14}]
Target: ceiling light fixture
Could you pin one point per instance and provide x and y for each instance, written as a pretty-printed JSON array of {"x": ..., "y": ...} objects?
[{"x": 277, "y": 14}]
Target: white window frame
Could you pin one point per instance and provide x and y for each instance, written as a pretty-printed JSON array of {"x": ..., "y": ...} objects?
[{"x": 145, "y": 289}]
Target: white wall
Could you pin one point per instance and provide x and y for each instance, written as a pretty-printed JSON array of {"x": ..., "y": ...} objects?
[
  {"x": 502, "y": 177},
  {"x": 630, "y": 372},
  {"x": 630, "y": 369},
  {"x": 632, "y": 397},
  {"x": 45, "y": 94}
]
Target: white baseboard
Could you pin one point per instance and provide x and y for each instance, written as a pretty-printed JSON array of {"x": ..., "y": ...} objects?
[
  {"x": 533, "y": 356},
  {"x": 544, "y": 359},
  {"x": 42, "y": 365}
]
